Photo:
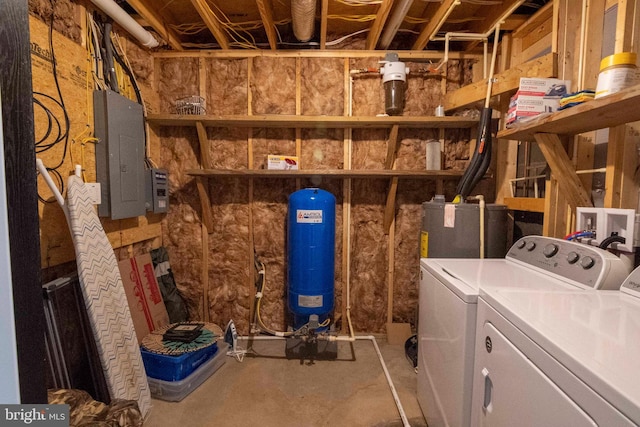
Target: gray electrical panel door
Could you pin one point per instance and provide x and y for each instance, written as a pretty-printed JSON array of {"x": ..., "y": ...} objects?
[{"x": 119, "y": 127}]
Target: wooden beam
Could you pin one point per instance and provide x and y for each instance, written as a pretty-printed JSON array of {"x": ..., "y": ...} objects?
[
  {"x": 434, "y": 23},
  {"x": 203, "y": 139},
  {"x": 390, "y": 163},
  {"x": 529, "y": 204},
  {"x": 508, "y": 81},
  {"x": 156, "y": 21},
  {"x": 625, "y": 25},
  {"x": 205, "y": 202},
  {"x": 266, "y": 13},
  {"x": 495, "y": 15},
  {"x": 212, "y": 22},
  {"x": 323, "y": 24},
  {"x": 407, "y": 55},
  {"x": 560, "y": 164},
  {"x": 378, "y": 24},
  {"x": 620, "y": 169}
]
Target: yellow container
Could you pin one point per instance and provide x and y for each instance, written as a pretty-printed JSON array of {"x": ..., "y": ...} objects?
[{"x": 617, "y": 72}]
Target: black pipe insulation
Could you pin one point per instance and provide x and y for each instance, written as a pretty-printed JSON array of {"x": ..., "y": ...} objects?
[
  {"x": 110, "y": 70},
  {"x": 611, "y": 239},
  {"x": 481, "y": 158}
]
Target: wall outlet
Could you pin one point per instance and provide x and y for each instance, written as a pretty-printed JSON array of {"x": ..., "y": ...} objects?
[{"x": 94, "y": 192}]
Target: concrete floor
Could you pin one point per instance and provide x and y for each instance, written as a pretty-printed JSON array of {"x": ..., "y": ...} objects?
[{"x": 267, "y": 389}]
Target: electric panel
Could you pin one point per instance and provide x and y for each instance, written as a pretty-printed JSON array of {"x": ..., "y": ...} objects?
[{"x": 119, "y": 127}]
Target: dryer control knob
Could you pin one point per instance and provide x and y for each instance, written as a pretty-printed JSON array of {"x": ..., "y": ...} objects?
[
  {"x": 521, "y": 244},
  {"x": 531, "y": 246},
  {"x": 550, "y": 250},
  {"x": 587, "y": 262},
  {"x": 572, "y": 257}
]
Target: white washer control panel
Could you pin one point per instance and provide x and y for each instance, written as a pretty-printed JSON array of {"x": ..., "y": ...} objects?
[{"x": 580, "y": 264}]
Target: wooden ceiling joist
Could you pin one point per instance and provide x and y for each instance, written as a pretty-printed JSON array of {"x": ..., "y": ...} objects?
[
  {"x": 378, "y": 24},
  {"x": 434, "y": 23},
  {"x": 497, "y": 14},
  {"x": 323, "y": 24},
  {"x": 212, "y": 22},
  {"x": 266, "y": 13},
  {"x": 157, "y": 23}
]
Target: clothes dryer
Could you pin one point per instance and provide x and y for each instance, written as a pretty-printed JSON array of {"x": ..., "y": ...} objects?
[{"x": 448, "y": 300}]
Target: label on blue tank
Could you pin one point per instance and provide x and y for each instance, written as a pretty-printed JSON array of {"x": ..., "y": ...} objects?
[
  {"x": 311, "y": 216},
  {"x": 310, "y": 301}
]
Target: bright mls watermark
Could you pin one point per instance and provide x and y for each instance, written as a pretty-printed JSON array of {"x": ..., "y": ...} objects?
[{"x": 36, "y": 415}]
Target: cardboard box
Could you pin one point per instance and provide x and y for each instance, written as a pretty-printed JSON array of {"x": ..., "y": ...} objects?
[
  {"x": 282, "y": 162},
  {"x": 147, "y": 308},
  {"x": 534, "y": 86}
]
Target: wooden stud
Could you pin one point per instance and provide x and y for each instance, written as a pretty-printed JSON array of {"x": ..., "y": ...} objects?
[
  {"x": 250, "y": 190},
  {"x": 620, "y": 168},
  {"x": 625, "y": 25},
  {"x": 346, "y": 200},
  {"x": 323, "y": 24},
  {"x": 298, "y": 112},
  {"x": 205, "y": 270},
  {"x": 391, "y": 270}
]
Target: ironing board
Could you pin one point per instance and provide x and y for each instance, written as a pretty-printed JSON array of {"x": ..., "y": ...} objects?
[{"x": 106, "y": 301}]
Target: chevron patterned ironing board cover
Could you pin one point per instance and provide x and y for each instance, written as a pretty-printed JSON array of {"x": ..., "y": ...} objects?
[{"x": 106, "y": 301}]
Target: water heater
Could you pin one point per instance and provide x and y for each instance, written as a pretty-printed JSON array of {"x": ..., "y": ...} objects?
[{"x": 310, "y": 255}]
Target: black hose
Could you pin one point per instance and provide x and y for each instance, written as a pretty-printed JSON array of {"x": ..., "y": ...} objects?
[
  {"x": 481, "y": 158},
  {"x": 611, "y": 239}
]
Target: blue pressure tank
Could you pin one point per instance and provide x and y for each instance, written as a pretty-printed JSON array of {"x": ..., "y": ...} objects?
[{"x": 310, "y": 253}]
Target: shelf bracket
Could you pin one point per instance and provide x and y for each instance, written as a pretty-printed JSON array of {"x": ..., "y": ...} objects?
[
  {"x": 392, "y": 150},
  {"x": 560, "y": 164}
]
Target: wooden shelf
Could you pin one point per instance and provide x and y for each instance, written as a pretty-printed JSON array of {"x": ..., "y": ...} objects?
[
  {"x": 612, "y": 110},
  {"x": 328, "y": 173},
  {"x": 295, "y": 122}
]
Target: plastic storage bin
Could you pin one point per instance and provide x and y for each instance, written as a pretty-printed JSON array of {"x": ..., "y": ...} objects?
[
  {"x": 175, "y": 391},
  {"x": 174, "y": 368}
]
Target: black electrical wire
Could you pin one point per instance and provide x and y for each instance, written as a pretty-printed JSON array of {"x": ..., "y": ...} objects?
[
  {"x": 109, "y": 67},
  {"x": 61, "y": 131},
  {"x": 57, "y": 177},
  {"x": 611, "y": 239}
]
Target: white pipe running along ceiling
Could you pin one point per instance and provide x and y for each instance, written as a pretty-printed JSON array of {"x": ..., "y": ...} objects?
[{"x": 123, "y": 19}]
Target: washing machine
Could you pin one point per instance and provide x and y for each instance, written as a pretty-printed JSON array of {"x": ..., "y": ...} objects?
[
  {"x": 448, "y": 304},
  {"x": 558, "y": 358}
]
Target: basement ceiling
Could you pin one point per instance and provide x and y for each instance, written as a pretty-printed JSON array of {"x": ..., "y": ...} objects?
[{"x": 325, "y": 24}]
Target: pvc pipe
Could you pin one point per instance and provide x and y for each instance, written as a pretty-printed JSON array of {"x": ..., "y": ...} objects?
[
  {"x": 492, "y": 67},
  {"x": 392, "y": 388},
  {"x": 482, "y": 208},
  {"x": 47, "y": 178},
  {"x": 118, "y": 14}
]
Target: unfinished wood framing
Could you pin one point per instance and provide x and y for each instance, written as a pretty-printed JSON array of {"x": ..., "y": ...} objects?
[
  {"x": 504, "y": 83},
  {"x": 212, "y": 22},
  {"x": 157, "y": 23}
]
